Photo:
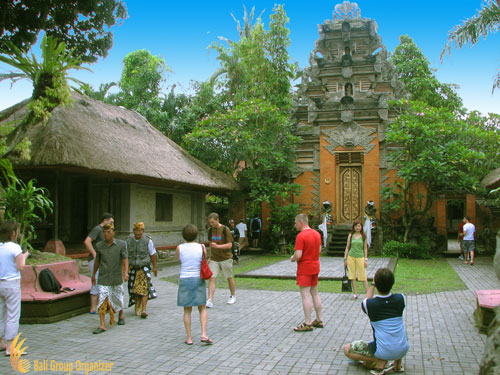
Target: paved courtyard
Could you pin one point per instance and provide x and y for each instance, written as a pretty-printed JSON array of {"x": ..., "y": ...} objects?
[
  {"x": 255, "y": 336},
  {"x": 332, "y": 268}
]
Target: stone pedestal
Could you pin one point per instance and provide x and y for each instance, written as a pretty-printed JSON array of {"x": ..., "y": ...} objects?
[
  {"x": 490, "y": 365},
  {"x": 55, "y": 246}
]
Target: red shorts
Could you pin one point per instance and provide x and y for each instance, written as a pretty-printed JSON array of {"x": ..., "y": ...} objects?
[{"x": 307, "y": 280}]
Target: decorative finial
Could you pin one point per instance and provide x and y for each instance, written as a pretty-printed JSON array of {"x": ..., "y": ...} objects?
[{"x": 347, "y": 10}]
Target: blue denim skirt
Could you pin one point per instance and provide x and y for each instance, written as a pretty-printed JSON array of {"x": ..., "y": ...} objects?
[{"x": 192, "y": 292}]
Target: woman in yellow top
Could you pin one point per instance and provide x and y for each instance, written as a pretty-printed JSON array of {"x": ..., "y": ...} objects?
[{"x": 356, "y": 257}]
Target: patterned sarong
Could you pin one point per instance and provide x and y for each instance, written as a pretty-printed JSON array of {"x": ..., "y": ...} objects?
[
  {"x": 139, "y": 285},
  {"x": 110, "y": 300}
]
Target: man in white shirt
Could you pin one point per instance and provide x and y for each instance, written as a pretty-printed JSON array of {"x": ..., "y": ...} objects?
[
  {"x": 468, "y": 241},
  {"x": 243, "y": 240}
]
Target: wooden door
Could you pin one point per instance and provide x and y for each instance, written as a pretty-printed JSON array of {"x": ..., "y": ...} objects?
[{"x": 350, "y": 194}]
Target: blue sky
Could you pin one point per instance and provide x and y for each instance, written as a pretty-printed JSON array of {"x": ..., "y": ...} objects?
[{"x": 181, "y": 31}]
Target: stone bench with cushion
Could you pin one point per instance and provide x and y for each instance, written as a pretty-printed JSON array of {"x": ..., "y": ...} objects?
[
  {"x": 486, "y": 301},
  {"x": 38, "y": 306}
]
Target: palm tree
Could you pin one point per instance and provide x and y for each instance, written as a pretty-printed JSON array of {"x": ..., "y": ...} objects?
[
  {"x": 229, "y": 59},
  {"x": 486, "y": 21}
]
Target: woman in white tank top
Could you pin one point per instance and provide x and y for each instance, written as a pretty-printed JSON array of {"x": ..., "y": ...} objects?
[{"x": 192, "y": 290}]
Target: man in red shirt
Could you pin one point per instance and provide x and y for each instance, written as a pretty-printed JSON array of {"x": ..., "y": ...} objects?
[{"x": 307, "y": 249}]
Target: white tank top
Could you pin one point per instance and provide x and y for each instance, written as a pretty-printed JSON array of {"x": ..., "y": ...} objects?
[{"x": 190, "y": 255}]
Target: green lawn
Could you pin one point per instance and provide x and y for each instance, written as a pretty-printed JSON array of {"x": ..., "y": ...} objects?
[
  {"x": 416, "y": 276},
  {"x": 412, "y": 277}
]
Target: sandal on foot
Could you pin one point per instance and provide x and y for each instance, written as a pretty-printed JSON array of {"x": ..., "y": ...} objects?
[
  {"x": 394, "y": 369},
  {"x": 206, "y": 340},
  {"x": 354, "y": 296},
  {"x": 188, "y": 342},
  {"x": 382, "y": 371},
  {"x": 98, "y": 330},
  {"x": 317, "y": 323},
  {"x": 144, "y": 315},
  {"x": 303, "y": 327}
]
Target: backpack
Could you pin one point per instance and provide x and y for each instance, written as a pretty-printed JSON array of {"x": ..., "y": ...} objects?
[
  {"x": 255, "y": 225},
  {"x": 234, "y": 248},
  {"x": 48, "y": 281}
]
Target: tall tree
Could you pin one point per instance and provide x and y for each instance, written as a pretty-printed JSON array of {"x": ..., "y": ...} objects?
[
  {"x": 252, "y": 137},
  {"x": 486, "y": 21},
  {"x": 141, "y": 79},
  {"x": 440, "y": 145},
  {"x": 83, "y": 25},
  {"x": 420, "y": 82}
]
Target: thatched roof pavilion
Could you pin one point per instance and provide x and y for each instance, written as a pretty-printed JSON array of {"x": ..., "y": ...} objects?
[
  {"x": 492, "y": 179},
  {"x": 94, "y": 157},
  {"x": 93, "y": 137}
]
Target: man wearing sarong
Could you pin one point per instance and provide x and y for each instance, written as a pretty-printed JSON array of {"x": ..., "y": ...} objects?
[
  {"x": 112, "y": 262},
  {"x": 141, "y": 254}
]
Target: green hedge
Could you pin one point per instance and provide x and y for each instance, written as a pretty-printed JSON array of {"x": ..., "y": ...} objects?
[{"x": 405, "y": 250}]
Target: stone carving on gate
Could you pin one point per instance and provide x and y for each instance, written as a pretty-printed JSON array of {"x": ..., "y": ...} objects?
[
  {"x": 349, "y": 136},
  {"x": 347, "y": 10}
]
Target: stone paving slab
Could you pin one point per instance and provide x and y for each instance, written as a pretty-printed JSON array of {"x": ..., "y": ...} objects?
[
  {"x": 255, "y": 336},
  {"x": 332, "y": 268}
]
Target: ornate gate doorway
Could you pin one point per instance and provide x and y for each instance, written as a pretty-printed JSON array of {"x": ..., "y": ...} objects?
[{"x": 350, "y": 194}]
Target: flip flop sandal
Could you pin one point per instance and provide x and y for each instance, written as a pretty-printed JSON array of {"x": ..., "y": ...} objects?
[
  {"x": 188, "y": 342},
  {"x": 317, "y": 323},
  {"x": 144, "y": 315},
  {"x": 382, "y": 371},
  {"x": 402, "y": 369},
  {"x": 98, "y": 330},
  {"x": 206, "y": 340},
  {"x": 303, "y": 327},
  {"x": 354, "y": 296}
]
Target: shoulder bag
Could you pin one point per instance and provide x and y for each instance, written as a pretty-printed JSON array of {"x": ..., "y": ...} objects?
[
  {"x": 346, "y": 283},
  {"x": 205, "y": 272}
]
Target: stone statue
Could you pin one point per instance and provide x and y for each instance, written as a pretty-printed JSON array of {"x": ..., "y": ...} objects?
[
  {"x": 370, "y": 219},
  {"x": 346, "y": 57}
]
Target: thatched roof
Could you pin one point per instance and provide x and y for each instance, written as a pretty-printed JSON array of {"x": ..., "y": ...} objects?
[
  {"x": 492, "y": 179},
  {"x": 97, "y": 138}
]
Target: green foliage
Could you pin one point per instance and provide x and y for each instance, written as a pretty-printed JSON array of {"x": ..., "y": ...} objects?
[
  {"x": 249, "y": 135},
  {"x": 257, "y": 67},
  {"x": 440, "y": 147},
  {"x": 405, "y": 250},
  {"x": 420, "y": 83},
  {"x": 27, "y": 204},
  {"x": 140, "y": 81},
  {"x": 486, "y": 21},
  {"x": 281, "y": 223},
  {"x": 49, "y": 76},
  {"x": 84, "y": 26}
]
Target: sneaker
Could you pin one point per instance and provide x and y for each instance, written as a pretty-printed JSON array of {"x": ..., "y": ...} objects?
[
  {"x": 231, "y": 300},
  {"x": 209, "y": 303},
  {"x": 461, "y": 257}
]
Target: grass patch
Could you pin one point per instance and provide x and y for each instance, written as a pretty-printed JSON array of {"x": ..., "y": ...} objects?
[
  {"x": 412, "y": 277},
  {"x": 422, "y": 276},
  {"x": 41, "y": 257}
]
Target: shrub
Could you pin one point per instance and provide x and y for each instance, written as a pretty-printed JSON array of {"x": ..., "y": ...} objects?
[{"x": 406, "y": 250}]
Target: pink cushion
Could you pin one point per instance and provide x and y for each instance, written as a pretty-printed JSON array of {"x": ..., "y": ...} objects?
[
  {"x": 488, "y": 298},
  {"x": 65, "y": 272}
]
